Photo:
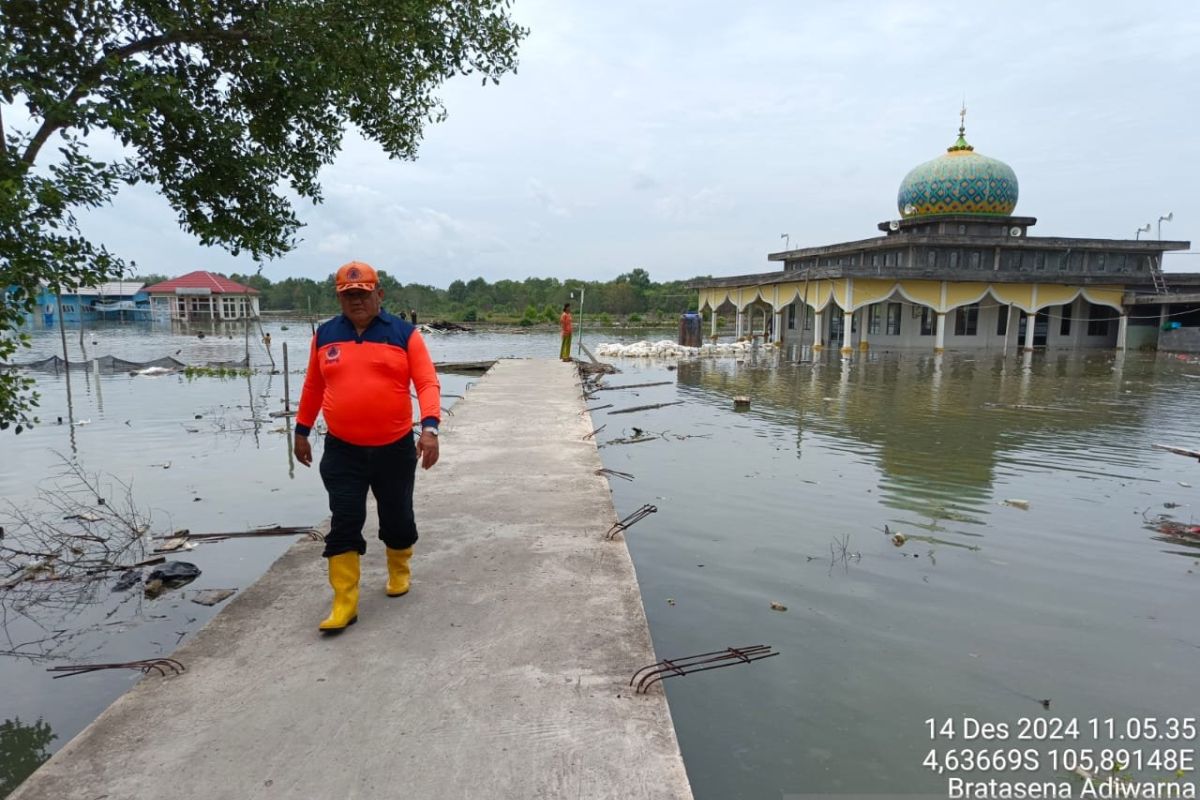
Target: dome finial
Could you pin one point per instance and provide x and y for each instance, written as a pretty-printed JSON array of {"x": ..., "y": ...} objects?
[{"x": 961, "y": 144}]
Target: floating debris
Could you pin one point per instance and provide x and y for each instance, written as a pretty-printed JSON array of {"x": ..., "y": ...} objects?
[
  {"x": 1179, "y": 451},
  {"x": 634, "y": 386},
  {"x": 127, "y": 581},
  {"x": 741, "y": 402},
  {"x": 899, "y": 539},
  {"x": 170, "y": 575},
  {"x": 1017, "y": 503},
  {"x": 778, "y": 606},
  {"x": 210, "y": 597},
  {"x": 646, "y": 408},
  {"x": 172, "y": 544},
  {"x": 269, "y": 530}
]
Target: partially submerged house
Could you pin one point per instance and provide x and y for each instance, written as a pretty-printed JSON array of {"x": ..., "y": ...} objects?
[{"x": 202, "y": 295}]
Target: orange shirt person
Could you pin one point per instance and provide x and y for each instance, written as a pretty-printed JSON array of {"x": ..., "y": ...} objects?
[
  {"x": 565, "y": 320},
  {"x": 360, "y": 369}
]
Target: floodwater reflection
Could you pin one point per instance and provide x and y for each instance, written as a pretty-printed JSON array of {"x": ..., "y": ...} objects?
[
  {"x": 23, "y": 748},
  {"x": 1033, "y": 560}
]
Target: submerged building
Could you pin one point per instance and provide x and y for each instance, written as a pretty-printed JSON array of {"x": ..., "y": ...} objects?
[
  {"x": 202, "y": 295},
  {"x": 957, "y": 269}
]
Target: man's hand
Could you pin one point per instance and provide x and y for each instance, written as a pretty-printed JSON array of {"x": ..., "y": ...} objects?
[
  {"x": 303, "y": 450},
  {"x": 427, "y": 449}
]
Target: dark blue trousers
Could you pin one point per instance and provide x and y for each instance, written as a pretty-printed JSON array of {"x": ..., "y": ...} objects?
[{"x": 348, "y": 471}]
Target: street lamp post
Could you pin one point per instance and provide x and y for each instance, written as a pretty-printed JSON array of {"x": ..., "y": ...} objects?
[
  {"x": 787, "y": 241},
  {"x": 1170, "y": 216},
  {"x": 1142, "y": 229}
]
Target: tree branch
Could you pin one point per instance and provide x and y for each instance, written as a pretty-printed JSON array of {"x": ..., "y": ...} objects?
[{"x": 56, "y": 116}]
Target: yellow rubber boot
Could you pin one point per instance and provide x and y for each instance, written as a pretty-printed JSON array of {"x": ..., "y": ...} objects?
[
  {"x": 343, "y": 577},
  {"x": 398, "y": 571}
]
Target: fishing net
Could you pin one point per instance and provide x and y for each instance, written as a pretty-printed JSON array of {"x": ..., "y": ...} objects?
[{"x": 111, "y": 365}]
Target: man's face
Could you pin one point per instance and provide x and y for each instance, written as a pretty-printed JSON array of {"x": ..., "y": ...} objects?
[{"x": 361, "y": 306}]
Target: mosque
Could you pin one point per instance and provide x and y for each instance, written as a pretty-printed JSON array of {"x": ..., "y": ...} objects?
[{"x": 957, "y": 270}]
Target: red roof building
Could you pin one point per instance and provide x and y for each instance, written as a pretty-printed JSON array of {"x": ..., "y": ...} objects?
[{"x": 202, "y": 295}]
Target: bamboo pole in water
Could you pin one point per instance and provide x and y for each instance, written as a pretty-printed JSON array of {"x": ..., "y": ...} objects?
[{"x": 287, "y": 395}]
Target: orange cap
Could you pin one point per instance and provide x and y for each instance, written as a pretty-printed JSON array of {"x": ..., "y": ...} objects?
[{"x": 356, "y": 275}]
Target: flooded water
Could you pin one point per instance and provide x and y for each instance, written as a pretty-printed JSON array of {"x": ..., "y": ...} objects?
[{"x": 985, "y": 609}]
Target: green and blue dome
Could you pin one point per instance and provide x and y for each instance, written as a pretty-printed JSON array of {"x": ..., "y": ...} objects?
[{"x": 959, "y": 182}]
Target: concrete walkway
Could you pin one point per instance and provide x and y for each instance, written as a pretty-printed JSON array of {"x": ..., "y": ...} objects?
[{"x": 502, "y": 674}]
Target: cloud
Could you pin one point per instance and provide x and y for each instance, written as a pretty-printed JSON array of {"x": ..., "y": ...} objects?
[
  {"x": 698, "y": 206},
  {"x": 546, "y": 199},
  {"x": 712, "y": 127}
]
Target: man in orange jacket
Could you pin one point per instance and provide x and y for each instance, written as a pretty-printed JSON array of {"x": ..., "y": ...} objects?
[{"x": 360, "y": 368}]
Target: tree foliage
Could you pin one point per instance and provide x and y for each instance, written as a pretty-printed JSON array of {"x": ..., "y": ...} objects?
[
  {"x": 229, "y": 107},
  {"x": 534, "y": 299}
]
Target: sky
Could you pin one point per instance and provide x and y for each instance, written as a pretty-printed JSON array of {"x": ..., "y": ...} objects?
[{"x": 687, "y": 137}]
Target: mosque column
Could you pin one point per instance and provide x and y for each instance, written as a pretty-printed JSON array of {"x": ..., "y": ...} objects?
[
  {"x": 737, "y": 325},
  {"x": 939, "y": 343},
  {"x": 1123, "y": 331},
  {"x": 865, "y": 323},
  {"x": 818, "y": 321},
  {"x": 777, "y": 331},
  {"x": 1030, "y": 327},
  {"x": 847, "y": 336},
  {"x": 713, "y": 322}
]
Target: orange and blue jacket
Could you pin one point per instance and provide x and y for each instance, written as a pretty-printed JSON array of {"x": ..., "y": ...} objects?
[{"x": 361, "y": 382}]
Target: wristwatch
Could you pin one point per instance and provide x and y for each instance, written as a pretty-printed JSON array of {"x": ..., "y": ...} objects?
[{"x": 430, "y": 429}]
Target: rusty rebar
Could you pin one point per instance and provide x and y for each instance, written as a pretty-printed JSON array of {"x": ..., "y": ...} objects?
[
  {"x": 161, "y": 665},
  {"x": 671, "y": 667},
  {"x": 614, "y": 473},
  {"x": 635, "y": 517}
]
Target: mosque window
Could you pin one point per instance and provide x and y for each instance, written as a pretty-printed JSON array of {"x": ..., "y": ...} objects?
[
  {"x": 900, "y": 259},
  {"x": 1098, "y": 319},
  {"x": 1101, "y": 266},
  {"x": 1039, "y": 261},
  {"x": 976, "y": 258},
  {"x": 953, "y": 259},
  {"x": 874, "y": 318},
  {"x": 927, "y": 321},
  {"x": 966, "y": 320},
  {"x": 875, "y": 260},
  {"x": 962, "y": 230},
  {"x": 791, "y": 317},
  {"x": 931, "y": 259},
  {"x": 808, "y": 318},
  {"x": 1002, "y": 321},
  {"x": 1012, "y": 261},
  {"x": 1054, "y": 261},
  {"x": 893, "y": 319},
  {"x": 890, "y": 259},
  {"x": 1064, "y": 327}
]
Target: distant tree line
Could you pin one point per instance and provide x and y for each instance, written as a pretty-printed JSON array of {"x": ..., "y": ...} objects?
[{"x": 528, "y": 301}]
